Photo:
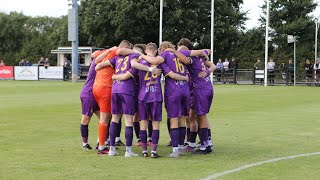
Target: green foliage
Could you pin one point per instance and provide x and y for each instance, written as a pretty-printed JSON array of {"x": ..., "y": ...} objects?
[
  {"x": 25, "y": 37},
  {"x": 106, "y": 22},
  {"x": 292, "y": 18}
]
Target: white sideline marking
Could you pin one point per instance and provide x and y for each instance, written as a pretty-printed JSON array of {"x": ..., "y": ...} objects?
[{"x": 217, "y": 175}]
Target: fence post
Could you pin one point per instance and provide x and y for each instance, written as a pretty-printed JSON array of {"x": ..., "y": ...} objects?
[
  {"x": 234, "y": 75},
  {"x": 254, "y": 76}
]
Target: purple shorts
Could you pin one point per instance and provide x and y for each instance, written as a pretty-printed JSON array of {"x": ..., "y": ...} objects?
[
  {"x": 202, "y": 99},
  {"x": 177, "y": 103},
  {"x": 122, "y": 104},
  {"x": 150, "y": 111},
  {"x": 89, "y": 105}
]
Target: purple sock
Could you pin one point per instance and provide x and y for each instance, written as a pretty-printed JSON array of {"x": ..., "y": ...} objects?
[
  {"x": 182, "y": 135},
  {"x": 136, "y": 127},
  {"x": 203, "y": 133},
  {"x": 129, "y": 135},
  {"x": 107, "y": 136},
  {"x": 174, "y": 135},
  {"x": 168, "y": 125},
  {"x": 119, "y": 128},
  {"x": 113, "y": 133},
  {"x": 193, "y": 137},
  {"x": 150, "y": 129},
  {"x": 188, "y": 134},
  {"x": 209, "y": 134},
  {"x": 84, "y": 133},
  {"x": 155, "y": 139},
  {"x": 143, "y": 136}
]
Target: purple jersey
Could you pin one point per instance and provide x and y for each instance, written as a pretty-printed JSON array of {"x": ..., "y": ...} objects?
[
  {"x": 87, "y": 87},
  {"x": 172, "y": 63},
  {"x": 150, "y": 85},
  {"x": 195, "y": 69},
  {"x": 122, "y": 64}
]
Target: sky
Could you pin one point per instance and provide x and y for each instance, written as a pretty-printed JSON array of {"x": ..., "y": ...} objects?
[{"x": 57, "y": 8}]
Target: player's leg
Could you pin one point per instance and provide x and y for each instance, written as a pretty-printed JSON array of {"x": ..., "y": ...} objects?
[
  {"x": 185, "y": 99},
  {"x": 174, "y": 135},
  {"x": 84, "y": 129},
  {"x": 182, "y": 134},
  {"x": 188, "y": 131},
  {"x": 168, "y": 126},
  {"x": 136, "y": 127},
  {"x": 87, "y": 111},
  {"x": 143, "y": 136},
  {"x": 202, "y": 104},
  {"x": 104, "y": 101},
  {"x": 128, "y": 109},
  {"x": 193, "y": 130},
  {"x": 118, "y": 140},
  {"x": 129, "y": 135},
  {"x": 155, "y": 138},
  {"x": 150, "y": 128},
  {"x": 156, "y": 116},
  {"x": 173, "y": 107},
  {"x": 113, "y": 133}
]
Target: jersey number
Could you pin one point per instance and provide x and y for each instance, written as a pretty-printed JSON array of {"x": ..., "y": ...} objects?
[
  {"x": 148, "y": 78},
  {"x": 179, "y": 66},
  {"x": 124, "y": 64},
  {"x": 202, "y": 64}
]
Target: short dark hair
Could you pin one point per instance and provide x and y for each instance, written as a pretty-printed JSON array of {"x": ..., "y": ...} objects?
[
  {"x": 140, "y": 46},
  {"x": 152, "y": 45},
  {"x": 125, "y": 42},
  {"x": 185, "y": 42}
]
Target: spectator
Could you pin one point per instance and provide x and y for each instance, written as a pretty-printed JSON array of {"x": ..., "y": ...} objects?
[
  {"x": 270, "y": 67},
  {"x": 22, "y": 62},
  {"x": 233, "y": 66},
  {"x": 219, "y": 69},
  {"x": 28, "y": 63},
  {"x": 290, "y": 69},
  {"x": 2, "y": 63},
  {"x": 308, "y": 68},
  {"x": 226, "y": 70},
  {"x": 258, "y": 65},
  {"x": 67, "y": 68},
  {"x": 41, "y": 62},
  {"x": 46, "y": 63},
  {"x": 226, "y": 64},
  {"x": 66, "y": 63},
  {"x": 316, "y": 68},
  {"x": 283, "y": 70}
]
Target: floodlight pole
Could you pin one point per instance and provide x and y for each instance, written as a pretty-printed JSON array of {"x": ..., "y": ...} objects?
[
  {"x": 73, "y": 26},
  {"x": 266, "y": 45},
  {"x": 316, "y": 41},
  {"x": 294, "y": 61},
  {"x": 160, "y": 26},
  {"x": 212, "y": 35}
]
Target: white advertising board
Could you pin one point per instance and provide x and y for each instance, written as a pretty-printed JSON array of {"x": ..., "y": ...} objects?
[
  {"x": 51, "y": 72},
  {"x": 26, "y": 73}
]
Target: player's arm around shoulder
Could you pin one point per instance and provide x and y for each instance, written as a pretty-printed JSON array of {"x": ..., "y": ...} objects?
[
  {"x": 102, "y": 65},
  {"x": 126, "y": 52},
  {"x": 122, "y": 77},
  {"x": 142, "y": 67},
  {"x": 152, "y": 60},
  {"x": 182, "y": 57},
  {"x": 104, "y": 54},
  {"x": 178, "y": 77}
]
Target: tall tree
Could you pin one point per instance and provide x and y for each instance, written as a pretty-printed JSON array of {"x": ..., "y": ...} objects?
[{"x": 292, "y": 18}]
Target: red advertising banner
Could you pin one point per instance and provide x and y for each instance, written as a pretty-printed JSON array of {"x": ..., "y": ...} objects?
[{"x": 6, "y": 72}]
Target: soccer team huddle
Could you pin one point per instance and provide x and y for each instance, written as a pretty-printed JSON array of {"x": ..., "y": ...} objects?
[{"x": 124, "y": 82}]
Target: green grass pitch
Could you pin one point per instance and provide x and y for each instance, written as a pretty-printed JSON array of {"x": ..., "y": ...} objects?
[{"x": 40, "y": 138}]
